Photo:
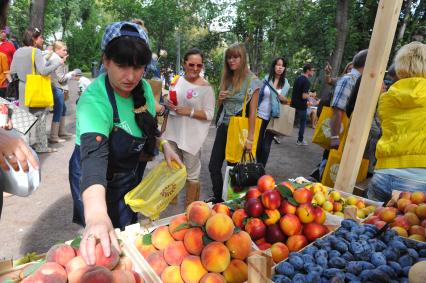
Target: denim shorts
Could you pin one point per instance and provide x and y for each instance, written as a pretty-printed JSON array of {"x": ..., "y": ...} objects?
[{"x": 381, "y": 186}]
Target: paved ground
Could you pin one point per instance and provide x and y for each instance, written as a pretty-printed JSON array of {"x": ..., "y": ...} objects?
[{"x": 37, "y": 222}]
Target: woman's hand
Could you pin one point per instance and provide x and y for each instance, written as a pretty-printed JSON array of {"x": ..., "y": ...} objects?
[
  {"x": 98, "y": 228},
  {"x": 248, "y": 146},
  {"x": 223, "y": 94},
  {"x": 15, "y": 151},
  {"x": 170, "y": 155},
  {"x": 180, "y": 110}
]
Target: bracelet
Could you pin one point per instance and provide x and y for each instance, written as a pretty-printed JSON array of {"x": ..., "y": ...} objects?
[
  {"x": 162, "y": 143},
  {"x": 249, "y": 141},
  {"x": 334, "y": 137},
  {"x": 192, "y": 113}
]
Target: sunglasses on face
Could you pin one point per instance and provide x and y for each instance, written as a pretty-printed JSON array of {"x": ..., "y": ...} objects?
[{"x": 192, "y": 65}]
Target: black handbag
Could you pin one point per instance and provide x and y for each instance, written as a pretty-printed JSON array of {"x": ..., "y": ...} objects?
[
  {"x": 12, "y": 90},
  {"x": 246, "y": 172}
]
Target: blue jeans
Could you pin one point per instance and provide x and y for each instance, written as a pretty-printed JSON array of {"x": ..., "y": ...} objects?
[
  {"x": 381, "y": 186},
  {"x": 59, "y": 108},
  {"x": 264, "y": 143},
  {"x": 301, "y": 115}
]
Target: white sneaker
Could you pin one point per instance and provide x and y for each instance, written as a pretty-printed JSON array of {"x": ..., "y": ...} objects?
[{"x": 301, "y": 143}]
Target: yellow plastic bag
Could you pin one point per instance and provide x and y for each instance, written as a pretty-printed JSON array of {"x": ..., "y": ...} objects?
[
  {"x": 322, "y": 132},
  {"x": 333, "y": 162},
  {"x": 38, "y": 89},
  {"x": 156, "y": 190}
]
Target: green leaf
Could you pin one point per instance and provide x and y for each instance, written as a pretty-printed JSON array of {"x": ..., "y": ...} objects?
[
  {"x": 207, "y": 240},
  {"x": 264, "y": 216},
  {"x": 237, "y": 230},
  {"x": 147, "y": 239},
  {"x": 246, "y": 220},
  {"x": 182, "y": 226},
  {"x": 284, "y": 191},
  {"x": 76, "y": 242},
  {"x": 293, "y": 201}
]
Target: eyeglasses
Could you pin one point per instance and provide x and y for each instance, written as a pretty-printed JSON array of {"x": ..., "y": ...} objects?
[{"x": 192, "y": 65}]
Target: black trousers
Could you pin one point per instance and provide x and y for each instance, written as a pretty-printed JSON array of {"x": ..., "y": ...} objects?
[
  {"x": 216, "y": 161},
  {"x": 264, "y": 143}
]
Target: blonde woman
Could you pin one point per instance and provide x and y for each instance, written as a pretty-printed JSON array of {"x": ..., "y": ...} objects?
[
  {"x": 60, "y": 79},
  {"x": 192, "y": 114},
  {"x": 237, "y": 80}
]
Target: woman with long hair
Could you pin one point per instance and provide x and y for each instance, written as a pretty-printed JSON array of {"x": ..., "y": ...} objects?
[
  {"x": 116, "y": 132},
  {"x": 192, "y": 114},
  {"x": 59, "y": 86},
  {"x": 273, "y": 92},
  {"x": 237, "y": 82},
  {"x": 22, "y": 66}
]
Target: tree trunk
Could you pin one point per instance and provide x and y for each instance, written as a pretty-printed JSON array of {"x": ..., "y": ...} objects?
[
  {"x": 342, "y": 32},
  {"x": 37, "y": 9},
  {"x": 407, "y": 13}
]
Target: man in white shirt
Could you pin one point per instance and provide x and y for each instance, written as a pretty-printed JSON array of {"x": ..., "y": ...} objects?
[{"x": 83, "y": 82}]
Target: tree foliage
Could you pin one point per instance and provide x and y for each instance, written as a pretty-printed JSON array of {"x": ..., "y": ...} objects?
[{"x": 301, "y": 30}]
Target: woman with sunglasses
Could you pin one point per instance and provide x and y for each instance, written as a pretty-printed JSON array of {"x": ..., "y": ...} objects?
[
  {"x": 189, "y": 119},
  {"x": 237, "y": 81}
]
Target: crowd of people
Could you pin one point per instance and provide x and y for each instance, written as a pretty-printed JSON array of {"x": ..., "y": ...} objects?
[{"x": 117, "y": 131}]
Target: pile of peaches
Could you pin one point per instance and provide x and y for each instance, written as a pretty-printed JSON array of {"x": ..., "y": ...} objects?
[
  {"x": 64, "y": 264},
  {"x": 202, "y": 245},
  {"x": 406, "y": 215},
  {"x": 281, "y": 217}
]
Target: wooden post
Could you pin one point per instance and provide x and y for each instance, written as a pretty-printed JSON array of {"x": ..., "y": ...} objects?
[{"x": 378, "y": 55}]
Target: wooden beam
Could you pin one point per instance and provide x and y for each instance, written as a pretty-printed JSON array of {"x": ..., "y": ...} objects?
[{"x": 378, "y": 55}]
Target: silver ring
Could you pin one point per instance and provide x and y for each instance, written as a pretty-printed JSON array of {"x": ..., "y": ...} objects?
[{"x": 9, "y": 157}]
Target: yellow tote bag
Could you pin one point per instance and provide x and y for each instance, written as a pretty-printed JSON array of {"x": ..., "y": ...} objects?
[
  {"x": 322, "y": 132},
  {"x": 238, "y": 133},
  {"x": 38, "y": 89},
  {"x": 333, "y": 162},
  {"x": 156, "y": 190}
]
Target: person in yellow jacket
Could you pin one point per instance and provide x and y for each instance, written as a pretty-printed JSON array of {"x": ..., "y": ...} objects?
[{"x": 401, "y": 151}]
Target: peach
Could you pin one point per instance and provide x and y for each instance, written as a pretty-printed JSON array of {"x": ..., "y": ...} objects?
[
  {"x": 145, "y": 250},
  {"x": 171, "y": 275},
  {"x": 296, "y": 243},
  {"x": 215, "y": 257},
  {"x": 388, "y": 214},
  {"x": 213, "y": 278},
  {"x": 198, "y": 212},
  {"x": 51, "y": 272},
  {"x": 191, "y": 269},
  {"x": 402, "y": 203},
  {"x": 60, "y": 253},
  {"x": 412, "y": 218},
  {"x": 122, "y": 276},
  {"x": 222, "y": 208},
  {"x": 157, "y": 262},
  {"x": 421, "y": 211},
  {"x": 237, "y": 272},
  {"x": 417, "y": 229},
  {"x": 161, "y": 237},
  {"x": 175, "y": 252},
  {"x": 273, "y": 216},
  {"x": 193, "y": 241},
  {"x": 406, "y": 195},
  {"x": 287, "y": 208},
  {"x": 98, "y": 274},
  {"x": 108, "y": 262},
  {"x": 401, "y": 231},
  {"x": 264, "y": 246},
  {"x": 417, "y": 237},
  {"x": 239, "y": 245},
  {"x": 401, "y": 221},
  {"x": 290, "y": 224},
  {"x": 75, "y": 263},
  {"x": 220, "y": 227},
  {"x": 410, "y": 208},
  {"x": 75, "y": 275},
  {"x": 178, "y": 227},
  {"x": 125, "y": 263},
  {"x": 279, "y": 252},
  {"x": 417, "y": 197},
  {"x": 238, "y": 217}
]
